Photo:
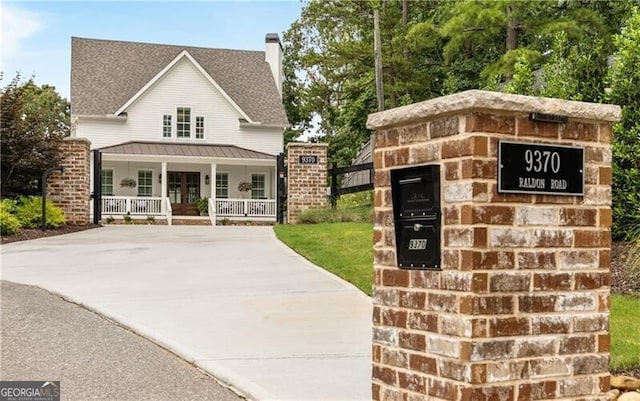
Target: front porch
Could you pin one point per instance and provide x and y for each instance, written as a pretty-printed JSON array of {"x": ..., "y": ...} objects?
[{"x": 208, "y": 180}]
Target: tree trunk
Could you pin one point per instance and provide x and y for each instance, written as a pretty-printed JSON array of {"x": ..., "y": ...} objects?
[
  {"x": 378, "y": 59},
  {"x": 512, "y": 30},
  {"x": 405, "y": 16}
]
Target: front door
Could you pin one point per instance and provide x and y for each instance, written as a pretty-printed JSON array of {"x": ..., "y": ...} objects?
[{"x": 184, "y": 191}]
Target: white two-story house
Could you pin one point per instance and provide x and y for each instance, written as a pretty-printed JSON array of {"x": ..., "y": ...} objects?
[{"x": 175, "y": 124}]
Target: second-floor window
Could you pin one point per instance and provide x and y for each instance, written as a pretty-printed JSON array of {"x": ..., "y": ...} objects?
[
  {"x": 183, "y": 122},
  {"x": 199, "y": 127},
  {"x": 166, "y": 126}
]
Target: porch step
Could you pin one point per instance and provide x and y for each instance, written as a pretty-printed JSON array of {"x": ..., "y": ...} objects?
[{"x": 190, "y": 221}]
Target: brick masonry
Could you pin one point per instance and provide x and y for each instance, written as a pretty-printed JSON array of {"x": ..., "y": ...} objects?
[
  {"x": 306, "y": 183},
  {"x": 520, "y": 309},
  {"x": 71, "y": 190}
]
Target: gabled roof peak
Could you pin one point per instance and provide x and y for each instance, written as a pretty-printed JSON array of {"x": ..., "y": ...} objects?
[{"x": 106, "y": 74}]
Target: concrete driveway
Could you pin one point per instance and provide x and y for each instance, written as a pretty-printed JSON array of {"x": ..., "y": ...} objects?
[{"x": 233, "y": 300}]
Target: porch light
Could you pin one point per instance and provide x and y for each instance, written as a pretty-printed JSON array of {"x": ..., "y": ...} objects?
[
  {"x": 206, "y": 179},
  {"x": 160, "y": 178}
]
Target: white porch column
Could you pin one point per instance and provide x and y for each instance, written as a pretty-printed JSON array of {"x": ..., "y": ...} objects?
[
  {"x": 213, "y": 182},
  {"x": 163, "y": 188},
  {"x": 274, "y": 184}
]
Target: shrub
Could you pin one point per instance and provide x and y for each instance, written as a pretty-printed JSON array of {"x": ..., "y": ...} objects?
[
  {"x": 632, "y": 264},
  {"x": 110, "y": 219},
  {"x": 9, "y": 206},
  {"x": 9, "y": 224},
  {"x": 29, "y": 213},
  {"x": 128, "y": 219},
  {"x": 363, "y": 214},
  {"x": 364, "y": 198}
]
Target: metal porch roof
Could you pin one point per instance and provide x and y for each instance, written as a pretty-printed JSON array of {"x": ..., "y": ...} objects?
[{"x": 185, "y": 149}]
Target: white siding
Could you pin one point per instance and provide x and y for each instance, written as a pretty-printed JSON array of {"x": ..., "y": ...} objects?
[{"x": 182, "y": 86}]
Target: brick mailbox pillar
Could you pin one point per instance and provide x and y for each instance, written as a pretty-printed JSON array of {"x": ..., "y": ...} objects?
[
  {"x": 306, "y": 178},
  {"x": 71, "y": 190},
  {"x": 516, "y": 307}
]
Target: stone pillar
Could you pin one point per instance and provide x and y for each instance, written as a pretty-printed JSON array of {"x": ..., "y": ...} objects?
[
  {"x": 520, "y": 308},
  {"x": 306, "y": 178},
  {"x": 71, "y": 190}
]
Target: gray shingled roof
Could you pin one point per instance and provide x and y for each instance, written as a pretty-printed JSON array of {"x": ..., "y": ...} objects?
[
  {"x": 184, "y": 149},
  {"x": 105, "y": 74}
]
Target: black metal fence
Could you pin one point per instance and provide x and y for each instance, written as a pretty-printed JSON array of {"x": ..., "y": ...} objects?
[{"x": 337, "y": 189}]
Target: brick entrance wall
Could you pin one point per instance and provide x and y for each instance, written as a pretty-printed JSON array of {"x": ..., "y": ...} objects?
[
  {"x": 520, "y": 308},
  {"x": 306, "y": 183},
  {"x": 71, "y": 190}
]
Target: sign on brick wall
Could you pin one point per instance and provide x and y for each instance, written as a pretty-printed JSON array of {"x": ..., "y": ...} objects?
[{"x": 540, "y": 169}]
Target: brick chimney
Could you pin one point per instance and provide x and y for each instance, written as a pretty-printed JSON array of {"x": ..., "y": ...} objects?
[{"x": 273, "y": 56}]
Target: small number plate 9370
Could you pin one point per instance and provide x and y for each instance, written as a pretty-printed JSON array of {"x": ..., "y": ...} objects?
[{"x": 417, "y": 244}]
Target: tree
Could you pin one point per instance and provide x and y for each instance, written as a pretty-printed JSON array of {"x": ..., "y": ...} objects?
[
  {"x": 329, "y": 66},
  {"x": 34, "y": 121},
  {"x": 485, "y": 40},
  {"x": 625, "y": 91},
  {"x": 432, "y": 48}
]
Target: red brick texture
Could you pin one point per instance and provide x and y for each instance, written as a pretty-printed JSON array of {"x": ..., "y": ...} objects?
[
  {"x": 71, "y": 190},
  {"x": 520, "y": 308},
  {"x": 306, "y": 183}
]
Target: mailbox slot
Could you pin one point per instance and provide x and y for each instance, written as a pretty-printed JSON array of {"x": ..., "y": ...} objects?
[
  {"x": 416, "y": 203},
  {"x": 417, "y": 192}
]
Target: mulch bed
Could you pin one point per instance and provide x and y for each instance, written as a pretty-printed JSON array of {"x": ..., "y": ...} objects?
[{"x": 34, "y": 233}]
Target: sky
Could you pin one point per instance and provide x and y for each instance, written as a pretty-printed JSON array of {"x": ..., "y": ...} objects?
[{"x": 35, "y": 37}]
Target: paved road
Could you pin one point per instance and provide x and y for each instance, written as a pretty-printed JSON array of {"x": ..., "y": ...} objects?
[
  {"x": 232, "y": 300},
  {"x": 44, "y": 337}
]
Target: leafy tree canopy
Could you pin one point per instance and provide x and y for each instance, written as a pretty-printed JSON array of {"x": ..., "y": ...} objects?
[
  {"x": 34, "y": 121},
  {"x": 432, "y": 48}
]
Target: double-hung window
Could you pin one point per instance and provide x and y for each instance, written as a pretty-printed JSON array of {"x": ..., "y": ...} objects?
[
  {"x": 145, "y": 183},
  {"x": 199, "y": 127},
  {"x": 257, "y": 186},
  {"x": 222, "y": 185},
  {"x": 106, "y": 181},
  {"x": 183, "y": 122},
  {"x": 166, "y": 126}
]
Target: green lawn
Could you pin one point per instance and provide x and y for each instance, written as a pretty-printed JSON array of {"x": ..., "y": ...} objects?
[
  {"x": 625, "y": 331},
  {"x": 346, "y": 249}
]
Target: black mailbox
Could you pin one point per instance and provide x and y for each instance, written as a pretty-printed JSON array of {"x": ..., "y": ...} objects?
[{"x": 416, "y": 207}]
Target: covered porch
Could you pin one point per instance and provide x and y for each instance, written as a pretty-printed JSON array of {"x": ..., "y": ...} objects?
[{"x": 163, "y": 180}]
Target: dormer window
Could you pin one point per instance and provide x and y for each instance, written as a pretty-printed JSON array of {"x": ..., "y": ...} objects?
[{"x": 183, "y": 122}]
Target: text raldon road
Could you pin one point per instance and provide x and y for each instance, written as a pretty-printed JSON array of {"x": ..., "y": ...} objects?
[{"x": 543, "y": 169}]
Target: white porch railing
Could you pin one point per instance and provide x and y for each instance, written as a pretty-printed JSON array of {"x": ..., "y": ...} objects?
[
  {"x": 134, "y": 205},
  {"x": 246, "y": 207},
  {"x": 152, "y": 206}
]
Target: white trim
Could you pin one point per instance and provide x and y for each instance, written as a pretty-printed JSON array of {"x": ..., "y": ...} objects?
[
  {"x": 258, "y": 124},
  {"x": 159, "y": 75},
  {"x": 187, "y": 159},
  {"x": 99, "y": 117}
]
